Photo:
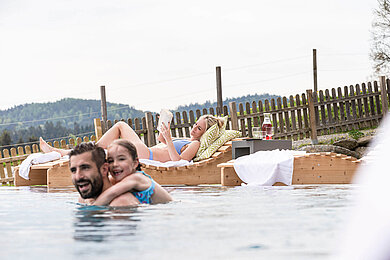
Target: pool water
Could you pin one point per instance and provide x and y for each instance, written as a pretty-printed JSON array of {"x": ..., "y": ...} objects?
[{"x": 209, "y": 222}]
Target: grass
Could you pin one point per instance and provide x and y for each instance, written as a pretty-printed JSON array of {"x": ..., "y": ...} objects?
[{"x": 355, "y": 134}]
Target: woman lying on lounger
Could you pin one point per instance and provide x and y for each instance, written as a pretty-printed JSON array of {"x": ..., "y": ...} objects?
[{"x": 175, "y": 150}]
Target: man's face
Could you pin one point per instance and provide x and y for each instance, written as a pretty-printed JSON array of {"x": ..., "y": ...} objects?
[{"x": 86, "y": 177}]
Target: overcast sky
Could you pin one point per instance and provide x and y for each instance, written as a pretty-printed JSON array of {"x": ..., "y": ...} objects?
[{"x": 153, "y": 54}]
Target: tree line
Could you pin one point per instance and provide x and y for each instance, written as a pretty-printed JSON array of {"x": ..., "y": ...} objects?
[
  {"x": 69, "y": 116},
  {"x": 243, "y": 99},
  {"x": 67, "y": 111}
]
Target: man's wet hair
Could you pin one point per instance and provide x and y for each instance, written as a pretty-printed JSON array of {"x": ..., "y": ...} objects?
[{"x": 98, "y": 153}]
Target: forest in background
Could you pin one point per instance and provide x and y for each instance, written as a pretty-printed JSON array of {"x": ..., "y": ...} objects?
[
  {"x": 69, "y": 116},
  {"x": 242, "y": 99}
]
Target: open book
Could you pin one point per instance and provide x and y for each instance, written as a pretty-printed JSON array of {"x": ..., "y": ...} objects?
[{"x": 165, "y": 117}]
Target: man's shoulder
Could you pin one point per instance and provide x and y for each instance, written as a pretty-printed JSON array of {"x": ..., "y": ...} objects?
[{"x": 126, "y": 199}]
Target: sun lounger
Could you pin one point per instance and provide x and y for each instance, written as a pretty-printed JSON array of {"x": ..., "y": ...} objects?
[
  {"x": 202, "y": 172},
  {"x": 55, "y": 174}
]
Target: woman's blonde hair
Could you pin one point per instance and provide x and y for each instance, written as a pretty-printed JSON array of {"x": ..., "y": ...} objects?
[{"x": 212, "y": 120}]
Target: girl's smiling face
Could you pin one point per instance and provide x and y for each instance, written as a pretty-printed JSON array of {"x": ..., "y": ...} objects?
[{"x": 120, "y": 162}]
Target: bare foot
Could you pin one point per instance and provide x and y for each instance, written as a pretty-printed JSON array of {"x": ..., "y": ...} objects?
[{"x": 45, "y": 147}]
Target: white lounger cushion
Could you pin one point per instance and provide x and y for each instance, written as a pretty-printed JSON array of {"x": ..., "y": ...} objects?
[{"x": 165, "y": 164}]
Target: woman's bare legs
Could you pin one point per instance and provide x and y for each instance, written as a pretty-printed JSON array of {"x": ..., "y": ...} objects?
[
  {"x": 124, "y": 131},
  {"x": 119, "y": 130},
  {"x": 46, "y": 148}
]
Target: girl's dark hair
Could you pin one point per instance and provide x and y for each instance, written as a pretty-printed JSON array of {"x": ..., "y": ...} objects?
[{"x": 130, "y": 148}]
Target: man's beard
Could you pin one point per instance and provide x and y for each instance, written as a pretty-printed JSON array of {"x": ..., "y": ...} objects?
[{"x": 96, "y": 188}]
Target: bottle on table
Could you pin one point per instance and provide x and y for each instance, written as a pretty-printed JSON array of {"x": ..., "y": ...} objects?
[{"x": 266, "y": 128}]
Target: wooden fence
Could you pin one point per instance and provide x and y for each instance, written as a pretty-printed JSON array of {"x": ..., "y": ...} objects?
[
  {"x": 311, "y": 114},
  {"x": 296, "y": 117}
]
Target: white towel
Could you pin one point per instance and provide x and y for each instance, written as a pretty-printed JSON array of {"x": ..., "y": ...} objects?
[
  {"x": 36, "y": 158},
  {"x": 166, "y": 164},
  {"x": 265, "y": 168}
]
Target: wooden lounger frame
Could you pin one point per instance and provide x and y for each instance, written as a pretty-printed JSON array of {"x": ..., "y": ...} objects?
[
  {"x": 312, "y": 168},
  {"x": 55, "y": 174},
  {"x": 202, "y": 172}
]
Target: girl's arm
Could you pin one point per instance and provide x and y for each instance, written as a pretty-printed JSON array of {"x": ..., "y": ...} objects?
[
  {"x": 86, "y": 201},
  {"x": 125, "y": 185},
  {"x": 135, "y": 181}
]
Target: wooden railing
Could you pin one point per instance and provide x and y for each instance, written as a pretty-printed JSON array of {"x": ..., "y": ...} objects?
[
  {"x": 311, "y": 114},
  {"x": 296, "y": 117}
]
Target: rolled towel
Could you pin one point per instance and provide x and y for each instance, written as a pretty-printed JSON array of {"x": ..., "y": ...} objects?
[{"x": 36, "y": 158}]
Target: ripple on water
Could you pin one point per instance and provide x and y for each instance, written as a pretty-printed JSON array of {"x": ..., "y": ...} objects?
[{"x": 210, "y": 221}]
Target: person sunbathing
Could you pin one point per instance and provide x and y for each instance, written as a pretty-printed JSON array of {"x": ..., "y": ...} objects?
[
  {"x": 126, "y": 175},
  {"x": 174, "y": 149}
]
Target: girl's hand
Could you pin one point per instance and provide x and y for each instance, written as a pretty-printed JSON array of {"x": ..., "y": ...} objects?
[{"x": 166, "y": 133}]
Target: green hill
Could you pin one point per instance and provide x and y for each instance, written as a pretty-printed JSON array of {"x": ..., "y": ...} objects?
[
  {"x": 67, "y": 111},
  {"x": 25, "y": 123}
]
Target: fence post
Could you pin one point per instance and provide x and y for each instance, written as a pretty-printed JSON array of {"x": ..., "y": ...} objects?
[
  {"x": 98, "y": 128},
  {"x": 315, "y": 70},
  {"x": 233, "y": 115},
  {"x": 150, "y": 129},
  {"x": 312, "y": 116},
  {"x": 103, "y": 104},
  {"x": 219, "y": 90},
  {"x": 385, "y": 106}
]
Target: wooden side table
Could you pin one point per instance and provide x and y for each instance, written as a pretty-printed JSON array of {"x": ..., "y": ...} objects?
[{"x": 251, "y": 145}]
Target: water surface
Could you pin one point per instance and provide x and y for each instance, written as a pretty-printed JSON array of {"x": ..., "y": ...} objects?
[{"x": 300, "y": 222}]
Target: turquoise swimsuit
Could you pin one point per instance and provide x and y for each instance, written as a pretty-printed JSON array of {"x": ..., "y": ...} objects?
[{"x": 144, "y": 196}]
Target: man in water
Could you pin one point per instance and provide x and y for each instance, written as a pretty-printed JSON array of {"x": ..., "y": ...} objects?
[{"x": 90, "y": 175}]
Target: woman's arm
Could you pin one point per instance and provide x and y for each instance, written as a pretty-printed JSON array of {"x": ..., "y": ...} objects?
[
  {"x": 164, "y": 131},
  {"x": 188, "y": 153},
  {"x": 161, "y": 138}
]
